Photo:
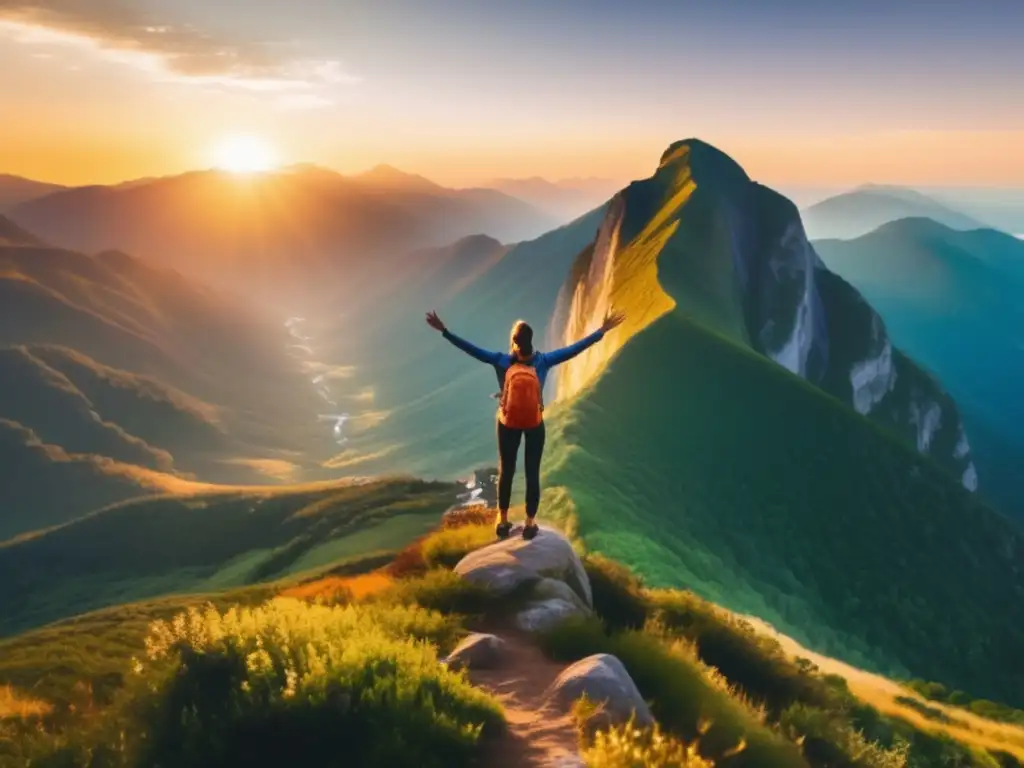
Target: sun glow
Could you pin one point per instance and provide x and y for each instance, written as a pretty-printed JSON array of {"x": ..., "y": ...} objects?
[{"x": 244, "y": 154}]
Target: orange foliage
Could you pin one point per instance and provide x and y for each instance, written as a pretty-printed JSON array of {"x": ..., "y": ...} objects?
[
  {"x": 333, "y": 587},
  {"x": 478, "y": 515}
]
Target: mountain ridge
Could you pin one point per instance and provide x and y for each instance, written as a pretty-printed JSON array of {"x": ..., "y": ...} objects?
[
  {"x": 284, "y": 235},
  {"x": 952, "y": 298},
  {"x": 863, "y": 209}
]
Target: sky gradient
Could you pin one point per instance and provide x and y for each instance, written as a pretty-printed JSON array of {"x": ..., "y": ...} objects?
[{"x": 798, "y": 91}]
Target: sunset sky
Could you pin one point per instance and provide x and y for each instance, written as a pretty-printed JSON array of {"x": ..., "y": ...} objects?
[{"x": 798, "y": 91}]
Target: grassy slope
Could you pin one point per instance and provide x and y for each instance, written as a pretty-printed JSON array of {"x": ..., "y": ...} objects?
[
  {"x": 203, "y": 541},
  {"x": 734, "y": 478},
  {"x": 755, "y": 696}
]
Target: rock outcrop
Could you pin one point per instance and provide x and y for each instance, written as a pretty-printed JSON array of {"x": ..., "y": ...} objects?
[
  {"x": 546, "y": 568},
  {"x": 477, "y": 651},
  {"x": 506, "y": 565},
  {"x": 604, "y": 681}
]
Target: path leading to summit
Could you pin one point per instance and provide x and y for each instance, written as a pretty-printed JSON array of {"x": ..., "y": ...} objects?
[{"x": 537, "y": 735}]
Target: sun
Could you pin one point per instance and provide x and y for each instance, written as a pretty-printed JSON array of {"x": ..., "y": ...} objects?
[{"x": 244, "y": 154}]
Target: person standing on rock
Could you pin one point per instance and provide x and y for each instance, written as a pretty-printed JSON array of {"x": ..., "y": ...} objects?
[{"x": 521, "y": 374}]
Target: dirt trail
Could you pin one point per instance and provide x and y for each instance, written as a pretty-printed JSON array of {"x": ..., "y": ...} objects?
[{"x": 536, "y": 736}]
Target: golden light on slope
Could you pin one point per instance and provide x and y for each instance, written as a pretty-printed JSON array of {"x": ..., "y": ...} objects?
[{"x": 244, "y": 154}]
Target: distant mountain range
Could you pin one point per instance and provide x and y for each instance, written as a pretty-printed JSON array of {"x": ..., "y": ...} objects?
[
  {"x": 866, "y": 208},
  {"x": 565, "y": 199},
  {"x": 282, "y": 233},
  {"x": 953, "y": 300},
  {"x": 15, "y": 190}
]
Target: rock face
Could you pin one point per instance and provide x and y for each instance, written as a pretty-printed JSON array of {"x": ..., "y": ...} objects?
[
  {"x": 477, "y": 651},
  {"x": 506, "y": 565},
  {"x": 604, "y": 681}
]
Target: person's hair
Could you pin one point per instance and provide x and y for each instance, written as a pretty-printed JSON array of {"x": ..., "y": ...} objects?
[{"x": 522, "y": 339}]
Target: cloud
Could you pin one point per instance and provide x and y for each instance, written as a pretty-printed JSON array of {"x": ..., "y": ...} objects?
[{"x": 117, "y": 32}]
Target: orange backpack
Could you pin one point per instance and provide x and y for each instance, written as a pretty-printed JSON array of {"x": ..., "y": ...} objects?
[{"x": 521, "y": 398}]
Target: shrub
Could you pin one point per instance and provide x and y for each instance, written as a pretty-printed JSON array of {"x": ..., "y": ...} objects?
[
  {"x": 618, "y": 593},
  {"x": 754, "y": 663},
  {"x": 478, "y": 516},
  {"x": 829, "y": 740},
  {"x": 441, "y": 591},
  {"x": 294, "y": 683},
  {"x": 626, "y": 746},
  {"x": 408, "y": 562},
  {"x": 446, "y": 547}
]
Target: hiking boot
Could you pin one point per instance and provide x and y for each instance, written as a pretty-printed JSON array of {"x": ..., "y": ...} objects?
[
  {"x": 503, "y": 529},
  {"x": 530, "y": 530}
]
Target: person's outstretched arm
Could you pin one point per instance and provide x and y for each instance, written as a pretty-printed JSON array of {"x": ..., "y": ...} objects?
[
  {"x": 560, "y": 356},
  {"x": 483, "y": 355}
]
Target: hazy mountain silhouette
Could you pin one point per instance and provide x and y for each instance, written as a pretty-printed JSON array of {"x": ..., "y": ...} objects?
[
  {"x": 859, "y": 211},
  {"x": 952, "y": 299},
  {"x": 282, "y": 232},
  {"x": 1001, "y": 207},
  {"x": 16, "y": 189},
  {"x": 390, "y": 179},
  {"x": 565, "y": 199},
  {"x": 12, "y": 234}
]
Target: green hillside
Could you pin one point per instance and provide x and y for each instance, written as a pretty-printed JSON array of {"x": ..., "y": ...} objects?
[
  {"x": 953, "y": 300},
  {"x": 699, "y": 463},
  {"x": 207, "y": 540},
  {"x": 44, "y": 485}
]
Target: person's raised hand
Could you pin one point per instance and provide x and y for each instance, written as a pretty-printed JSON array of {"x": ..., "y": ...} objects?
[
  {"x": 434, "y": 321},
  {"x": 612, "y": 320}
]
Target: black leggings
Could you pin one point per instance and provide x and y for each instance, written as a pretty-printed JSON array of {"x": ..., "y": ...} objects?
[{"x": 508, "y": 448}]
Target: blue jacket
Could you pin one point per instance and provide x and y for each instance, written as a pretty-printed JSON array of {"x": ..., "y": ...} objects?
[{"x": 542, "y": 361}]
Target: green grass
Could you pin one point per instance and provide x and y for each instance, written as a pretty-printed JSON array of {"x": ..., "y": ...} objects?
[
  {"x": 290, "y": 682},
  {"x": 698, "y": 665},
  {"x": 744, "y": 483},
  {"x": 684, "y": 693},
  {"x": 84, "y": 659},
  {"x": 166, "y": 545},
  {"x": 988, "y": 709}
]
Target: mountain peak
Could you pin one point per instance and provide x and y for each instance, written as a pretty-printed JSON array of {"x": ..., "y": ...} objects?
[
  {"x": 707, "y": 163},
  {"x": 390, "y": 176}
]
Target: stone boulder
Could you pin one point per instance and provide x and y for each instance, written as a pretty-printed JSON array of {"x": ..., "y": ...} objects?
[
  {"x": 552, "y": 602},
  {"x": 605, "y": 682},
  {"x": 507, "y": 565},
  {"x": 477, "y": 651}
]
